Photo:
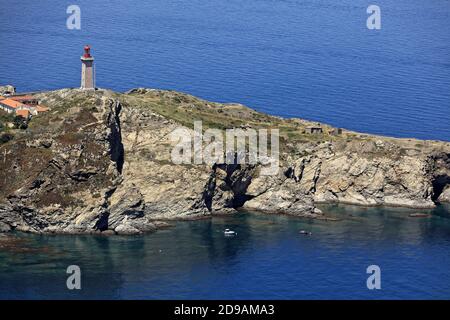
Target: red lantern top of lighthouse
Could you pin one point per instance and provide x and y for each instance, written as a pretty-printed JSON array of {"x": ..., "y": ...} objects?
[{"x": 87, "y": 51}]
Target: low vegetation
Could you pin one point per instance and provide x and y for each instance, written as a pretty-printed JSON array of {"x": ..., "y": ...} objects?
[{"x": 9, "y": 122}]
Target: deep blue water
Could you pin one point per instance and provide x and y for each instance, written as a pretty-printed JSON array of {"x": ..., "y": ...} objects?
[
  {"x": 313, "y": 59},
  {"x": 268, "y": 259}
]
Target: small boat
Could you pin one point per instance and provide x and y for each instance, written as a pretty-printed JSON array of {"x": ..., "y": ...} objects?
[
  {"x": 306, "y": 233},
  {"x": 419, "y": 215},
  {"x": 229, "y": 232}
]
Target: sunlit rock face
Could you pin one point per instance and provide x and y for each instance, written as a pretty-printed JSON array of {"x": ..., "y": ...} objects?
[{"x": 100, "y": 162}]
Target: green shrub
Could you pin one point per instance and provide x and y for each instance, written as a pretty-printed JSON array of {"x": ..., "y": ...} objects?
[
  {"x": 5, "y": 137},
  {"x": 20, "y": 122}
]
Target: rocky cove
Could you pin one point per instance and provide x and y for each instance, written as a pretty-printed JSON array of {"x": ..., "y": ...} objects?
[{"x": 99, "y": 162}]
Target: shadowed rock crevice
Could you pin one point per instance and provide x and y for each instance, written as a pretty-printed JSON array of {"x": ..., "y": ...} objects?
[
  {"x": 102, "y": 222},
  {"x": 208, "y": 193},
  {"x": 440, "y": 177},
  {"x": 240, "y": 200},
  {"x": 440, "y": 183},
  {"x": 226, "y": 188},
  {"x": 115, "y": 138}
]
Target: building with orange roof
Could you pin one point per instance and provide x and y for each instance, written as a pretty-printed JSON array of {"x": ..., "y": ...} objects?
[
  {"x": 41, "y": 108},
  {"x": 25, "y": 106},
  {"x": 26, "y": 99},
  {"x": 24, "y": 113},
  {"x": 10, "y": 105}
]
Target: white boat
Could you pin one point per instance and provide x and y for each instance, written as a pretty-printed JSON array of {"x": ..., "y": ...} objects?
[{"x": 229, "y": 232}]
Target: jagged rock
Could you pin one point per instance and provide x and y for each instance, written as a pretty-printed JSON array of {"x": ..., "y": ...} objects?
[
  {"x": 136, "y": 226},
  {"x": 102, "y": 164},
  {"x": 440, "y": 168},
  {"x": 61, "y": 189},
  {"x": 4, "y": 227},
  {"x": 445, "y": 195},
  {"x": 83, "y": 174},
  {"x": 227, "y": 187},
  {"x": 127, "y": 204},
  {"x": 7, "y": 90},
  {"x": 283, "y": 198},
  {"x": 126, "y": 228},
  {"x": 8, "y": 218},
  {"x": 36, "y": 143}
]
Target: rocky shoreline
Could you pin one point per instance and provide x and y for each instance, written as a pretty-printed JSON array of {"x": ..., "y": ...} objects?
[{"x": 99, "y": 162}]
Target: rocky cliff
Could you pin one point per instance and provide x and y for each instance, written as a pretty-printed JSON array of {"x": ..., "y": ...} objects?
[{"x": 101, "y": 162}]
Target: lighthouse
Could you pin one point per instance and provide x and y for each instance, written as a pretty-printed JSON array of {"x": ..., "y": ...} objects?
[{"x": 87, "y": 70}]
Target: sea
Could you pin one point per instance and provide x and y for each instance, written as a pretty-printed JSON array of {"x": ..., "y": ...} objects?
[
  {"x": 268, "y": 258},
  {"x": 312, "y": 59}
]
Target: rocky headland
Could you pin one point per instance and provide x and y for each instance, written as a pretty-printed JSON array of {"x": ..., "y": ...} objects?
[{"x": 100, "y": 162}]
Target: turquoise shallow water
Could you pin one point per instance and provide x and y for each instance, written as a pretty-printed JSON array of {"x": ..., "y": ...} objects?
[
  {"x": 313, "y": 59},
  {"x": 268, "y": 259}
]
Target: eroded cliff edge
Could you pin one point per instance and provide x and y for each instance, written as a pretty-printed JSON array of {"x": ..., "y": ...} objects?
[{"x": 100, "y": 162}]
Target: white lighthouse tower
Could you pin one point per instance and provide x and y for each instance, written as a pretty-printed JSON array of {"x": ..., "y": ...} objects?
[{"x": 87, "y": 70}]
